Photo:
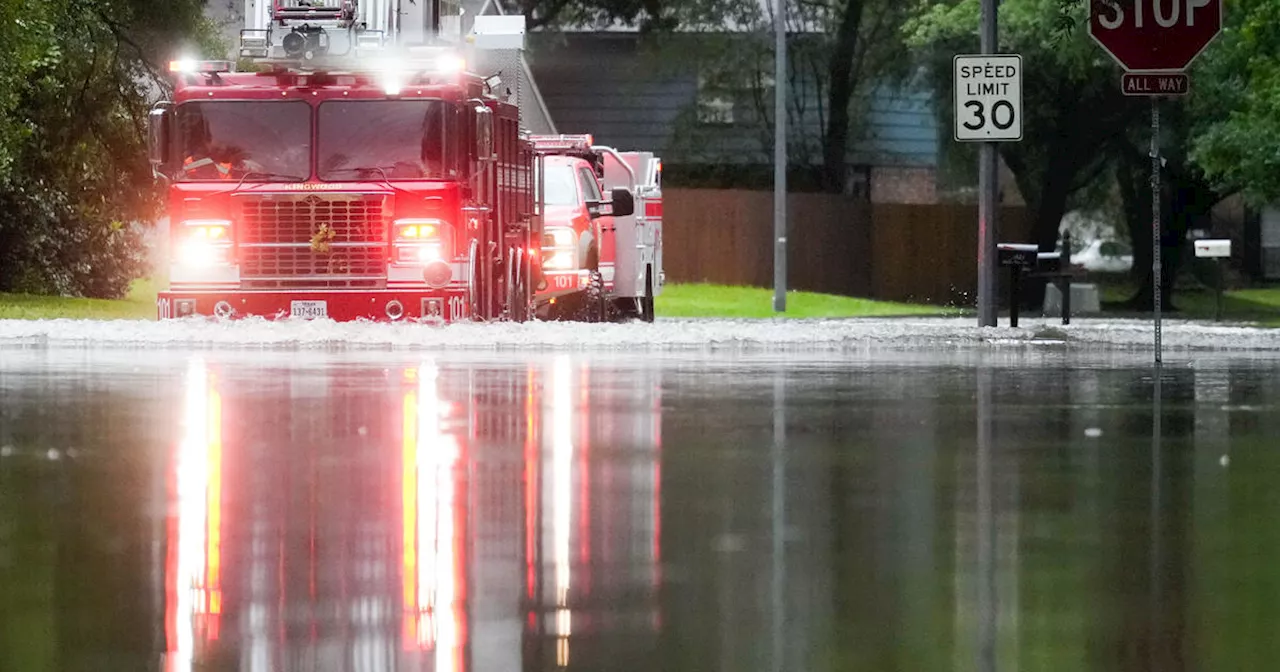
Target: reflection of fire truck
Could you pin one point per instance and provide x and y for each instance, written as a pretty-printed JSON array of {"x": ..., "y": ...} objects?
[
  {"x": 361, "y": 172},
  {"x": 423, "y": 517},
  {"x": 600, "y": 257}
]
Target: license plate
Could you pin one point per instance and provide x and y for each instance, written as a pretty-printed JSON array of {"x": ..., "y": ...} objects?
[{"x": 309, "y": 310}]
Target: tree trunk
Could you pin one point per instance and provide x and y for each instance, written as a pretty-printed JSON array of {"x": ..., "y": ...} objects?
[
  {"x": 1177, "y": 214},
  {"x": 840, "y": 89}
]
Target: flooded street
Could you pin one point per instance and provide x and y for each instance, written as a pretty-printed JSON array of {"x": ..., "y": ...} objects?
[{"x": 977, "y": 510}]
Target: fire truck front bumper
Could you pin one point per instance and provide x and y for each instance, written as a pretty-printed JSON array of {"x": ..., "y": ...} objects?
[{"x": 390, "y": 305}]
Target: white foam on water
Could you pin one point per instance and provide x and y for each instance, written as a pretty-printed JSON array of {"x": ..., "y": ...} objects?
[{"x": 671, "y": 334}]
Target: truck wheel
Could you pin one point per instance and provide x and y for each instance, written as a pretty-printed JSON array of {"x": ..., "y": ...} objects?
[
  {"x": 593, "y": 300},
  {"x": 517, "y": 296},
  {"x": 473, "y": 282},
  {"x": 646, "y": 301}
]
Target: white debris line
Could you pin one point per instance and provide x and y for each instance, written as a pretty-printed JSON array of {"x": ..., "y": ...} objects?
[{"x": 807, "y": 335}]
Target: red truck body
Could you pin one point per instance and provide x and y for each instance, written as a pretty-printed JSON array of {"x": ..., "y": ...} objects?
[{"x": 311, "y": 193}]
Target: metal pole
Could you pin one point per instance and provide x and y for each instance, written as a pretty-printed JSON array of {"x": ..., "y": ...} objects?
[
  {"x": 1217, "y": 312},
  {"x": 778, "y": 595},
  {"x": 1155, "y": 222},
  {"x": 986, "y": 532},
  {"x": 988, "y": 193},
  {"x": 1157, "y": 549},
  {"x": 779, "y": 157}
]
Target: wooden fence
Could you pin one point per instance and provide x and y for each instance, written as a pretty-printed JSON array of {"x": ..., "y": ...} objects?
[{"x": 924, "y": 253}]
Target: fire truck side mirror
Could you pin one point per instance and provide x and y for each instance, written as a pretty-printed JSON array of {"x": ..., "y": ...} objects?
[
  {"x": 624, "y": 204},
  {"x": 158, "y": 125},
  {"x": 484, "y": 133}
]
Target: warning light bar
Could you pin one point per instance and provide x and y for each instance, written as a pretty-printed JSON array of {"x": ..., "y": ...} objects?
[
  {"x": 189, "y": 66},
  {"x": 551, "y": 143}
]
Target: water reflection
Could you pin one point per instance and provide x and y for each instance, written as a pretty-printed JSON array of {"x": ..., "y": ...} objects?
[
  {"x": 291, "y": 545},
  {"x": 581, "y": 513}
]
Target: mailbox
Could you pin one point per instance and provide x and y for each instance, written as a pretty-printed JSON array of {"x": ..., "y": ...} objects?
[
  {"x": 1017, "y": 255},
  {"x": 1025, "y": 259},
  {"x": 1213, "y": 249},
  {"x": 1049, "y": 262}
]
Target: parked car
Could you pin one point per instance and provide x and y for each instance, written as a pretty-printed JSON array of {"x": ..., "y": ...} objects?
[{"x": 1104, "y": 256}]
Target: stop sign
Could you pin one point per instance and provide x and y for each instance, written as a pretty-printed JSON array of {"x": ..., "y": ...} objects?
[{"x": 1155, "y": 34}]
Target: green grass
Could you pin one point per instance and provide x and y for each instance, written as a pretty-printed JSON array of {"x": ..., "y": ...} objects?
[
  {"x": 1261, "y": 305},
  {"x": 705, "y": 300},
  {"x": 139, "y": 304}
]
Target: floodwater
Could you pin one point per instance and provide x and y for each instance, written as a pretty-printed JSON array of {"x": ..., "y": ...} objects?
[{"x": 980, "y": 510}]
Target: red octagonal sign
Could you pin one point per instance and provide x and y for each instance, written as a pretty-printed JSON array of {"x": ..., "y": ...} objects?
[{"x": 1154, "y": 35}]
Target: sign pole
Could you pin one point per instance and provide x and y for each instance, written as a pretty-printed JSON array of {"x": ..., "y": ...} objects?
[
  {"x": 1157, "y": 285},
  {"x": 988, "y": 192},
  {"x": 780, "y": 157}
]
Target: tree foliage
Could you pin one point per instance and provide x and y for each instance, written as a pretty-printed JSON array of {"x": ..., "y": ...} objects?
[
  {"x": 1237, "y": 138},
  {"x": 1074, "y": 115},
  {"x": 76, "y": 192}
]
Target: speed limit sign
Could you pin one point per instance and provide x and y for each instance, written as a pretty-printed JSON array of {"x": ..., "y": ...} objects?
[{"x": 988, "y": 97}]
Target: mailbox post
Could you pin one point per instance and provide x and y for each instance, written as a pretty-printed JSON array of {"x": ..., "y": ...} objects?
[
  {"x": 1019, "y": 258},
  {"x": 1216, "y": 250},
  {"x": 1026, "y": 260}
]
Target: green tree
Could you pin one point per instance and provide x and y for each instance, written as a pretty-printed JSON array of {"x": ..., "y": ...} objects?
[
  {"x": 76, "y": 191},
  {"x": 1074, "y": 115},
  {"x": 837, "y": 51},
  {"x": 1237, "y": 110}
]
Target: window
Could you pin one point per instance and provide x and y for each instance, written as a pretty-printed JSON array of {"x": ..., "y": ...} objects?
[
  {"x": 560, "y": 187},
  {"x": 590, "y": 188},
  {"x": 715, "y": 102},
  {"x": 251, "y": 140},
  {"x": 388, "y": 139}
]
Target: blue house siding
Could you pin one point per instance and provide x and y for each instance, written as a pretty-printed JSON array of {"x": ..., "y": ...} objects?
[
  {"x": 901, "y": 128},
  {"x": 597, "y": 86},
  {"x": 604, "y": 84}
]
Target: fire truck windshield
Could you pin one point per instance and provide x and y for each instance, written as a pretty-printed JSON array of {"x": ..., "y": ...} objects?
[
  {"x": 384, "y": 139},
  {"x": 255, "y": 141},
  {"x": 561, "y": 187}
]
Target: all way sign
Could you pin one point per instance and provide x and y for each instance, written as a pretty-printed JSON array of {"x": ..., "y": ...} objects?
[
  {"x": 988, "y": 97},
  {"x": 1154, "y": 83}
]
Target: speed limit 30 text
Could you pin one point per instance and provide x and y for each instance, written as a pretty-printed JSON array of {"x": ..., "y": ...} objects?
[{"x": 977, "y": 79}]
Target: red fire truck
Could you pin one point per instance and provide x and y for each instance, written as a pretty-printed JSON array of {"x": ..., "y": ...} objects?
[
  {"x": 377, "y": 179},
  {"x": 600, "y": 259}
]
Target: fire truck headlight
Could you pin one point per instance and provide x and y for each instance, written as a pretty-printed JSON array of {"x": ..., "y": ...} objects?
[
  {"x": 207, "y": 243},
  {"x": 559, "y": 243},
  {"x": 559, "y": 261},
  {"x": 418, "y": 254},
  {"x": 559, "y": 236},
  {"x": 418, "y": 229},
  {"x": 201, "y": 253}
]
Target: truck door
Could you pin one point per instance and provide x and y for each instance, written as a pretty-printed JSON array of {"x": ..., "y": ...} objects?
[{"x": 604, "y": 226}]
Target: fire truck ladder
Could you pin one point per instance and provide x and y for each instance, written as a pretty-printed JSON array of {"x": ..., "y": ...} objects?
[
  {"x": 339, "y": 12},
  {"x": 308, "y": 26}
]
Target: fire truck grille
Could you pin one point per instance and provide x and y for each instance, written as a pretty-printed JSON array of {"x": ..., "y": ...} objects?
[
  {"x": 285, "y": 262},
  {"x": 345, "y": 220},
  {"x": 313, "y": 241}
]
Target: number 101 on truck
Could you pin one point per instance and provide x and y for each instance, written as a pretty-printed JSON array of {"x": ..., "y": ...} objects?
[{"x": 349, "y": 176}]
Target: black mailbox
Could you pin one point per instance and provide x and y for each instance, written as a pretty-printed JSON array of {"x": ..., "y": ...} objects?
[
  {"x": 1023, "y": 259},
  {"x": 1017, "y": 256},
  {"x": 1049, "y": 262}
]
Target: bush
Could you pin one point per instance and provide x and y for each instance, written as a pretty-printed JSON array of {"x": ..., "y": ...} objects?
[{"x": 75, "y": 186}]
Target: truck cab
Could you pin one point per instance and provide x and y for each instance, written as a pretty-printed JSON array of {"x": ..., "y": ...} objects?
[{"x": 578, "y": 227}]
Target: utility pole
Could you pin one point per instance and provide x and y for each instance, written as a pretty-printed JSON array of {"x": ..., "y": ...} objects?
[
  {"x": 779, "y": 156},
  {"x": 988, "y": 192}
]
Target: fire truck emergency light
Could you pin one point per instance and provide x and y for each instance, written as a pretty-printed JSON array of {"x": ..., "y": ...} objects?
[
  {"x": 582, "y": 142},
  {"x": 189, "y": 66},
  {"x": 396, "y": 73}
]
